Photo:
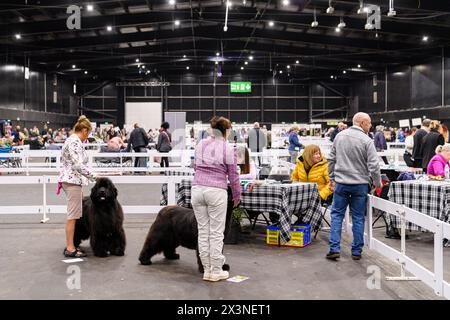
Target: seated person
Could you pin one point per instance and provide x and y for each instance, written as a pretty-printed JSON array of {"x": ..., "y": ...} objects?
[
  {"x": 313, "y": 167},
  {"x": 116, "y": 143},
  {"x": 437, "y": 164},
  {"x": 246, "y": 165}
]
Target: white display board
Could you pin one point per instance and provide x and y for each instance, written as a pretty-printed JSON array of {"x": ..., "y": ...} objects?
[
  {"x": 416, "y": 121},
  {"x": 404, "y": 123},
  {"x": 147, "y": 114}
]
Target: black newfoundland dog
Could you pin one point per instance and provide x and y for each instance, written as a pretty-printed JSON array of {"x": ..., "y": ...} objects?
[
  {"x": 176, "y": 226},
  {"x": 102, "y": 221}
]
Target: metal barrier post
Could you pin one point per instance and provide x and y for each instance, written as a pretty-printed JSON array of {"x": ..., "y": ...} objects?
[
  {"x": 401, "y": 260},
  {"x": 439, "y": 259},
  {"x": 44, "y": 200}
]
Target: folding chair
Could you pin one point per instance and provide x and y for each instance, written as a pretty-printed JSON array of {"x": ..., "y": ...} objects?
[{"x": 325, "y": 205}]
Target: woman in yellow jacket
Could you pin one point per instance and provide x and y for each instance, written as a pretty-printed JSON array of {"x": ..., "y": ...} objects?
[{"x": 313, "y": 167}]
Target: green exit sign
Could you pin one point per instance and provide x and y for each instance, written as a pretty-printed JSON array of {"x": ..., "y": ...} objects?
[{"x": 241, "y": 87}]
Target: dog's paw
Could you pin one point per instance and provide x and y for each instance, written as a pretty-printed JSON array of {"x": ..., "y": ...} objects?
[
  {"x": 226, "y": 267},
  {"x": 145, "y": 262},
  {"x": 173, "y": 256}
]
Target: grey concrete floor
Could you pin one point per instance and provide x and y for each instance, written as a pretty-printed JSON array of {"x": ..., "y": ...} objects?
[{"x": 31, "y": 264}]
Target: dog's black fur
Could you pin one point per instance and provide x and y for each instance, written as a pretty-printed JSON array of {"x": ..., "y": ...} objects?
[
  {"x": 102, "y": 221},
  {"x": 176, "y": 226}
]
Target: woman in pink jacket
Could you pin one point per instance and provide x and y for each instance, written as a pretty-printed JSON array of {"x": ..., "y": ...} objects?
[{"x": 437, "y": 164}]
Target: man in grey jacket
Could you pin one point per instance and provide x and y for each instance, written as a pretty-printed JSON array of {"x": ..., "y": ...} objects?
[
  {"x": 353, "y": 165},
  {"x": 257, "y": 140}
]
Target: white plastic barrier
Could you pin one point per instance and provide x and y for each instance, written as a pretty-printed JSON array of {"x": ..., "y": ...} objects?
[
  {"x": 46, "y": 208},
  {"x": 441, "y": 230}
]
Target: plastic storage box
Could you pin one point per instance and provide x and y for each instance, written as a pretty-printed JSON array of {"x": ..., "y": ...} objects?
[{"x": 300, "y": 236}]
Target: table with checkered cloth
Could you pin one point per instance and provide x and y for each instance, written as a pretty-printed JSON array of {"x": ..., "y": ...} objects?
[
  {"x": 428, "y": 197},
  {"x": 301, "y": 199},
  {"x": 164, "y": 192}
]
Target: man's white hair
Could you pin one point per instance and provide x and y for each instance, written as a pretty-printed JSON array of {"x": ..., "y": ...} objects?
[{"x": 360, "y": 117}]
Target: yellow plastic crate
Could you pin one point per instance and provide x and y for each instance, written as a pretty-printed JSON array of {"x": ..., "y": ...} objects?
[{"x": 300, "y": 236}]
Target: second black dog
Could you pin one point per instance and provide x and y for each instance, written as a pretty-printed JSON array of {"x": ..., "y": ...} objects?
[{"x": 176, "y": 226}]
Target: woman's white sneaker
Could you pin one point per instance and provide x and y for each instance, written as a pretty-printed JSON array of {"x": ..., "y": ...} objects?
[{"x": 219, "y": 275}]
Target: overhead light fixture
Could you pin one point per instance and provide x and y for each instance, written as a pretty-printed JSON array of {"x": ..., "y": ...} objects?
[
  {"x": 184, "y": 56},
  {"x": 18, "y": 36},
  {"x": 229, "y": 4},
  {"x": 288, "y": 67},
  {"x": 244, "y": 2},
  {"x": 285, "y": 2},
  {"x": 246, "y": 62},
  {"x": 376, "y": 35},
  {"x": 242, "y": 68},
  {"x": 391, "y": 12},
  {"x": 171, "y": 2},
  {"x": 74, "y": 66},
  {"x": 425, "y": 38},
  {"x": 337, "y": 29},
  {"x": 342, "y": 23},
  {"x": 297, "y": 62},
  {"x": 271, "y": 23},
  {"x": 281, "y": 71},
  {"x": 177, "y": 22},
  {"x": 90, "y": 7},
  {"x": 137, "y": 60},
  {"x": 217, "y": 54},
  {"x": 143, "y": 67},
  {"x": 109, "y": 28},
  {"x": 361, "y": 7},
  {"x": 85, "y": 72},
  {"x": 217, "y": 62},
  {"x": 330, "y": 9},
  {"x": 332, "y": 77},
  {"x": 314, "y": 24},
  {"x": 344, "y": 72},
  {"x": 187, "y": 68},
  {"x": 359, "y": 66},
  {"x": 250, "y": 57}
]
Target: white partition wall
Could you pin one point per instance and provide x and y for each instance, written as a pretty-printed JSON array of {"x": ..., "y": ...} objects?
[{"x": 147, "y": 114}]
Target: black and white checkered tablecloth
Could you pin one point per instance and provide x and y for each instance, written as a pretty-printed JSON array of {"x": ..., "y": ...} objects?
[
  {"x": 164, "y": 192},
  {"x": 301, "y": 199},
  {"x": 428, "y": 197}
]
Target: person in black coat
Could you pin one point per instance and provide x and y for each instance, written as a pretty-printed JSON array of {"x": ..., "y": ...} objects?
[
  {"x": 138, "y": 141},
  {"x": 417, "y": 147},
  {"x": 430, "y": 143}
]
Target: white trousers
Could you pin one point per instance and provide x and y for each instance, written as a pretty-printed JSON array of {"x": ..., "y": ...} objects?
[{"x": 210, "y": 208}]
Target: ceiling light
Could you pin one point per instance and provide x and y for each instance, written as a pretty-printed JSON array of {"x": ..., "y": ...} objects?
[
  {"x": 143, "y": 67},
  {"x": 344, "y": 72},
  {"x": 109, "y": 28},
  {"x": 376, "y": 35},
  {"x": 177, "y": 22},
  {"x": 172, "y": 2},
  {"x": 18, "y": 36},
  {"x": 85, "y": 72},
  {"x": 314, "y": 24},
  {"x": 297, "y": 62},
  {"x": 271, "y": 23},
  {"x": 425, "y": 38},
  {"x": 250, "y": 57},
  {"x": 184, "y": 56},
  {"x": 361, "y": 7},
  {"x": 337, "y": 29},
  {"x": 359, "y": 66},
  {"x": 90, "y": 7},
  {"x": 330, "y": 9},
  {"x": 74, "y": 66},
  {"x": 332, "y": 77},
  {"x": 217, "y": 54},
  {"x": 244, "y": 2},
  {"x": 391, "y": 12},
  {"x": 366, "y": 10},
  {"x": 229, "y": 4},
  {"x": 342, "y": 23},
  {"x": 281, "y": 71},
  {"x": 187, "y": 68},
  {"x": 246, "y": 62},
  {"x": 217, "y": 62},
  {"x": 242, "y": 68},
  {"x": 288, "y": 67},
  {"x": 285, "y": 2},
  {"x": 137, "y": 60}
]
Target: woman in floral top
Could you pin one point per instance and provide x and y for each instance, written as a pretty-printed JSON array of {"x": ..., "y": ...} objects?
[{"x": 75, "y": 174}]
